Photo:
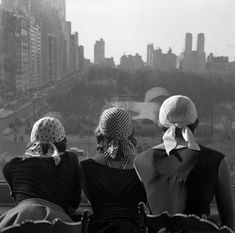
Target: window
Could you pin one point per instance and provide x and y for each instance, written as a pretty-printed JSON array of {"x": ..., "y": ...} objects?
[{"x": 49, "y": 68}]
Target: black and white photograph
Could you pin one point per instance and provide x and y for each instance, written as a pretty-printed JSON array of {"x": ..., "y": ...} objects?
[{"x": 117, "y": 116}]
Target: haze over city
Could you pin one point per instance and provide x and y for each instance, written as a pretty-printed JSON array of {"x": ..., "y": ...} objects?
[
  {"x": 127, "y": 26},
  {"x": 138, "y": 53}
]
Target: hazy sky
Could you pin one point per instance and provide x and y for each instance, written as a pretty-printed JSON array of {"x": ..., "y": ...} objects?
[{"x": 127, "y": 26}]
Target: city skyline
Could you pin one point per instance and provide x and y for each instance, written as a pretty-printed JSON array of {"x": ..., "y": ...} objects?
[{"x": 127, "y": 26}]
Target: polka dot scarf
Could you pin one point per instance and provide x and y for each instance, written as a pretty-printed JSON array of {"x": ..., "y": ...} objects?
[
  {"x": 45, "y": 130},
  {"x": 116, "y": 123}
]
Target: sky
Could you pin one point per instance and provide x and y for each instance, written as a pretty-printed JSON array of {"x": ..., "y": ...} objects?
[{"x": 127, "y": 26}]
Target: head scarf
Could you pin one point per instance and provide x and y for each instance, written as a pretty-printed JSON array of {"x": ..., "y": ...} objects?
[
  {"x": 116, "y": 123},
  {"x": 178, "y": 112},
  {"x": 45, "y": 130}
]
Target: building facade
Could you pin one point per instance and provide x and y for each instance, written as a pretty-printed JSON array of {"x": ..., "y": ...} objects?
[
  {"x": 193, "y": 60},
  {"x": 74, "y": 60},
  {"x": 99, "y": 52},
  {"x": 131, "y": 63},
  {"x": 159, "y": 61},
  {"x": 150, "y": 53},
  {"x": 164, "y": 61},
  {"x": 81, "y": 59},
  {"x": 37, "y": 45},
  {"x": 217, "y": 64}
]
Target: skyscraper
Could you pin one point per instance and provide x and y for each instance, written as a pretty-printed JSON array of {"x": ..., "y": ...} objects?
[
  {"x": 188, "y": 42},
  {"x": 150, "y": 52},
  {"x": 164, "y": 61},
  {"x": 74, "y": 52},
  {"x": 24, "y": 5},
  {"x": 99, "y": 52},
  {"x": 68, "y": 29},
  {"x": 200, "y": 43},
  {"x": 193, "y": 60},
  {"x": 58, "y": 5},
  {"x": 81, "y": 57}
]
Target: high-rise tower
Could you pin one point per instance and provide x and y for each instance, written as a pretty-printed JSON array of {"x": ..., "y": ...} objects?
[
  {"x": 200, "y": 43},
  {"x": 188, "y": 42},
  {"x": 150, "y": 52},
  {"x": 193, "y": 60},
  {"x": 99, "y": 52}
]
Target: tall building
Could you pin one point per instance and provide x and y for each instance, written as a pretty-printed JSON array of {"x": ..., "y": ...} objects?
[
  {"x": 2, "y": 91},
  {"x": 193, "y": 60},
  {"x": 9, "y": 4},
  {"x": 52, "y": 58},
  {"x": 68, "y": 46},
  {"x": 109, "y": 62},
  {"x": 9, "y": 44},
  {"x": 23, "y": 52},
  {"x": 150, "y": 52},
  {"x": 35, "y": 80},
  {"x": 74, "y": 52},
  {"x": 37, "y": 10},
  {"x": 217, "y": 64},
  {"x": 99, "y": 52},
  {"x": 131, "y": 63},
  {"x": 164, "y": 62},
  {"x": 200, "y": 43},
  {"x": 188, "y": 43},
  {"x": 22, "y": 5},
  {"x": 53, "y": 39},
  {"x": 35, "y": 44},
  {"x": 138, "y": 62},
  {"x": 81, "y": 59},
  {"x": 59, "y": 6},
  {"x": 160, "y": 61},
  {"x": 127, "y": 62},
  {"x": 21, "y": 48}
]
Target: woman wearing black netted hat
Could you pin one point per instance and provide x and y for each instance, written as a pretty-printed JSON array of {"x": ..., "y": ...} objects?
[
  {"x": 111, "y": 183},
  {"x": 45, "y": 181}
]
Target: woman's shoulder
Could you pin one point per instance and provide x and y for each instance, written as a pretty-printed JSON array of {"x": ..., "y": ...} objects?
[
  {"x": 148, "y": 154},
  {"x": 211, "y": 152},
  {"x": 13, "y": 161},
  {"x": 70, "y": 155},
  {"x": 87, "y": 162}
]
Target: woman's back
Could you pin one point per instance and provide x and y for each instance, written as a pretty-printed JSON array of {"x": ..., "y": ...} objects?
[
  {"x": 111, "y": 183},
  {"x": 183, "y": 182},
  {"x": 112, "y": 191},
  {"x": 38, "y": 177}
]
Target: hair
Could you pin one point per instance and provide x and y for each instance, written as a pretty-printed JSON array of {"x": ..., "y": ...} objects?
[
  {"x": 60, "y": 146},
  {"x": 103, "y": 141},
  {"x": 178, "y": 133}
]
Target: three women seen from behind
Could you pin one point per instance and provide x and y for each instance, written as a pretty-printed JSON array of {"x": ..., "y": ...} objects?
[
  {"x": 110, "y": 181},
  {"x": 45, "y": 181},
  {"x": 178, "y": 176}
]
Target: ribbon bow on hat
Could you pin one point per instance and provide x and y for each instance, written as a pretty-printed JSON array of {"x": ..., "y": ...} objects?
[
  {"x": 117, "y": 123},
  {"x": 35, "y": 150},
  {"x": 178, "y": 112},
  {"x": 47, "y": 130}
]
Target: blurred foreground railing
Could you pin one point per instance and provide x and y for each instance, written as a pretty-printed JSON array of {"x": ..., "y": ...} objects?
[{"x": 7, "y": 202}]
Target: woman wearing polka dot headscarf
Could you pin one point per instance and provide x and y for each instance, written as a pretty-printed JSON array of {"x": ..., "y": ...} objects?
[
  {"x": 111, "y": 183},
  {"x": 45, "y": 181}
]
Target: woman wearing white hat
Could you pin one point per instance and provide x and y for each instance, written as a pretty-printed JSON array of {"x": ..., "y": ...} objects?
[{"x": 181, "y": 176}]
